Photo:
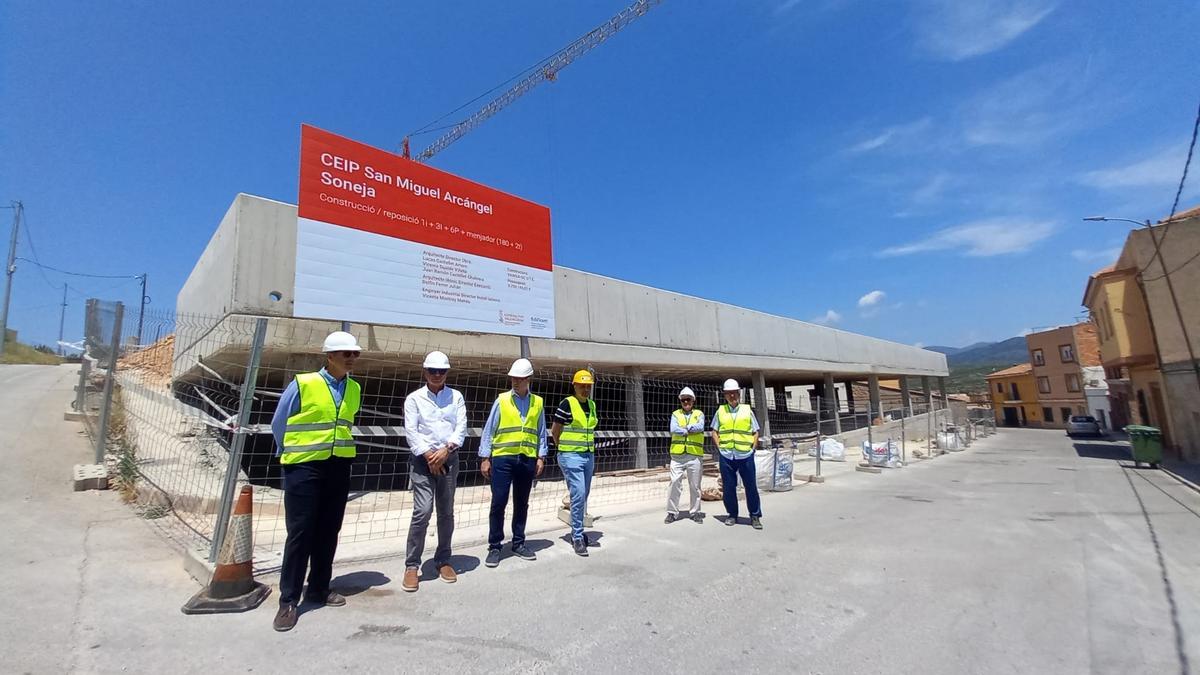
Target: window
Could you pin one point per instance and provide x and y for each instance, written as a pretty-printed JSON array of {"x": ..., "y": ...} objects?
[
  {"x": 999, "y": 388},
  {"x": 1066, "y": 353},
  {"x": 1048, "y": 414},
  {"x": 1038, "y": 358},
  {"x": 1066, "y": 413},
  {"x": 1016, "y": 395},
  {"x": 1044, "y": 385},
  {"x": 1072, "y": 382}
]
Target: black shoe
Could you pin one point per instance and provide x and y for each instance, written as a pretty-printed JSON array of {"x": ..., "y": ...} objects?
[
  {"x": 523, "y": 553},
  {"x": 581, "y": 547},
  {"x": 285, "y": 618},
  {"x": 731, "y": 521},
  {"x": 697, "y": 517},
  {"x": 331, "y": 599},
  {"x": 756, "y": 523},
  {"x": 671, "y": 517},
  {"x": 493, "y": 557}
]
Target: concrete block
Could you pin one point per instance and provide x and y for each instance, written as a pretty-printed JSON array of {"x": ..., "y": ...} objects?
[
  {"x": 868, "y": 469},
  {"x": 90, "y": 477},
  {"x": 71, "y": 415},
  {"x": 588, "y": 519},
  {"x": 196, "y": 564},
  {"x": 813, "y": 479}
]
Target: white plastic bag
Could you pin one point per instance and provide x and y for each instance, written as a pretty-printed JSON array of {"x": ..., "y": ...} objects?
[{"x": 831, "y": 450}]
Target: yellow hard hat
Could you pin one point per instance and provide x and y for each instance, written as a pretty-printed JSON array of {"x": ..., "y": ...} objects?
[{"x": 583, "y": 377}]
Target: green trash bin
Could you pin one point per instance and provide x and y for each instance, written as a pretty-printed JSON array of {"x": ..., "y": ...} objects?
[{"x": 1146, "y": 444}]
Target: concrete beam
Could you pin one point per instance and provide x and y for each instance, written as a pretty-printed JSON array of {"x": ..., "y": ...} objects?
[
  {"x": 760, "y": 407},
  {"x": 635, "y": 411}
]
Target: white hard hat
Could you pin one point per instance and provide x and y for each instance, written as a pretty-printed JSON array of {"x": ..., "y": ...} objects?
[
  {"x": 731, "y": 385},
  {"x": 687, "y": 392},
  {"x": 521, "y": 368},
  {"x": 436, "y": 360},
  {"x": 341, "y": 341}
]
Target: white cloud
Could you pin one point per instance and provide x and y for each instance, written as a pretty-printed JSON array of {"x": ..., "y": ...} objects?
[
  {"x": 1031, "y": 107},
  {"x": 1105, "y": 255},
  {"x": 957, "y": 29},
  {"x": 919, "y": 345},
  {"x": 829, "y": 318},
  {"x": 871, "y": 299},
  {"x": 1161, "y": 169},
  {"x": 893, "y": 135},
  {"x": 980, "y": 238}
]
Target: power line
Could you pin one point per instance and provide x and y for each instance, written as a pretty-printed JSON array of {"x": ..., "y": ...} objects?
[
  {"x": 1175, "y": 204},
  {"x": 81, "y": 274}
]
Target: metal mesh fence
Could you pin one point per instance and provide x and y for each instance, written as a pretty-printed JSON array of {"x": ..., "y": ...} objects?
[{"x": 179, "y": 396}]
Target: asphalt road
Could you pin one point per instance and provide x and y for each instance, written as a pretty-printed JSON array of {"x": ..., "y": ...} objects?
[{"x": 1027, "y": 553}]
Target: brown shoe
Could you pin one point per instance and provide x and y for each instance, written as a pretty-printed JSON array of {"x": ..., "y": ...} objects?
[
  {"x": 331, "y": 599},
  {"x": 285, "y": 618},
  {"x": 410, "y": 583},
  {"x": 447, "y": 574}
]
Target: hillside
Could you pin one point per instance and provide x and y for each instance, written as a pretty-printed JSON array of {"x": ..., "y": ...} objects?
[{"x": 1006, "y": 352}]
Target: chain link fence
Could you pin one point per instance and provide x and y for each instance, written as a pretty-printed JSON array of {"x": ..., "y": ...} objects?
[{"x": 176, "y": 444}]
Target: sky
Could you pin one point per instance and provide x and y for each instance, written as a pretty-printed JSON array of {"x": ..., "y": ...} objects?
[{"x": 915, "y": 170}]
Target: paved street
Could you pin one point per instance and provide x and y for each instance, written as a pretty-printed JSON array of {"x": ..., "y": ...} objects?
[{"x": 1027, "y": 553}]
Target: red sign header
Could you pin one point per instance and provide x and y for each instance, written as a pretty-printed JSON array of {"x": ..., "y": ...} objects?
[{"x": 347, "y": 183}]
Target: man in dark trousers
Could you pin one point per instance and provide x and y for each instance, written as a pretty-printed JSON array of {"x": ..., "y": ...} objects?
[{"x": 312, "y": 429}]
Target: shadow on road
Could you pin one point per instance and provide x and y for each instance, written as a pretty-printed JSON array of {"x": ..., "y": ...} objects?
[{"x": 1113, "y": 451}]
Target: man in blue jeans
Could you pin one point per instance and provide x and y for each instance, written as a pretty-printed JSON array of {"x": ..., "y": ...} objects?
[
  {"x": 574, "y": 433},
  {"x": 735, "y": 433},
  {"x": 513, "y": 448}
]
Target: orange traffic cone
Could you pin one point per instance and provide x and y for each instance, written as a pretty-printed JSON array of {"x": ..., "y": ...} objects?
[{"x": 232, "y": 587}]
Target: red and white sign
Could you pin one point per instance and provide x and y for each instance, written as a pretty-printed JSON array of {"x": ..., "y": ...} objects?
[{"x": 383, "y": 239}]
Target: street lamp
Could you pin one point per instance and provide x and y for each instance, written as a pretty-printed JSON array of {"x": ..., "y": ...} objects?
[{"x": 1166, "y": 276}]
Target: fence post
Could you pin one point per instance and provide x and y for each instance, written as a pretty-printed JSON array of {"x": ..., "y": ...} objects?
[
  {"x": 81, "y": 392},
  {"x": 106, "y": 405},
  {"x": 239, "y": 438},
  {"x": 903, "y": 437},
  {"x": 818, "y": 474},
  {"x": 929, "y": 432}
]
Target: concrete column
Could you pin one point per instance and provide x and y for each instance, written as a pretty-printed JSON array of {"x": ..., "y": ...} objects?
[
  {"x": 760, "y": 407},
  {"x": 635, "y": 410},
  {"x": 925, "y": 387},
  {"x": 905, "y": 395},
  {"x": 850, "y": 395},
  {"x": 830, "y": 404},
  {"x": 873, "y": 387},
  {"x": 942, "y": 388}
]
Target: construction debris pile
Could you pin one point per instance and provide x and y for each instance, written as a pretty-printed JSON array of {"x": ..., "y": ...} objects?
[{"x": 154, "y": 361}]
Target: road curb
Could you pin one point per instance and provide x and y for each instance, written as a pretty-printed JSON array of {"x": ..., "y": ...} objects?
[{"x": 1181, "y": 479}]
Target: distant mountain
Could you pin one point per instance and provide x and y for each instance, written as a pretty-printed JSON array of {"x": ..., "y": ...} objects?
[{"x": 1004, "y": 353}]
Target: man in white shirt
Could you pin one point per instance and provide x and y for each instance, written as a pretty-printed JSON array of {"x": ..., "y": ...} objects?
[{"x": 435, "y": 424}]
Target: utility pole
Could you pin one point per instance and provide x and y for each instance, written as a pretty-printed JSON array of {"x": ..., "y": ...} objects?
[
  {"x": 8, "y": 271},
  {"x": 141, "y": 312},
  {"x": 62, "y": 318}
]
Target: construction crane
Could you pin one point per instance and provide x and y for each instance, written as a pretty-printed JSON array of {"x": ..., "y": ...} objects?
[{"x": 546, "y": 70}]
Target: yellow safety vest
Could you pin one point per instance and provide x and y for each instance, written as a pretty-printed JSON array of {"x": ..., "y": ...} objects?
[
  {"x": 736, "y": 428},
  {"x": 580, "y": 436},
  {"x": 320, "y": 429},
  {"x": 692, "y": 444},
  {"x": 514, "y": 435}
]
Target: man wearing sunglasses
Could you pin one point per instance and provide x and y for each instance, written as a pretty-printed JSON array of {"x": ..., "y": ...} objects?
[
  {"x": 435, "y": 424},
  {"x": 312, "y": 430}
]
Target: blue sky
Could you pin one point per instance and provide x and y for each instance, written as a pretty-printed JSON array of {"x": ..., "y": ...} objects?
[{"x": 914, "y": 170}]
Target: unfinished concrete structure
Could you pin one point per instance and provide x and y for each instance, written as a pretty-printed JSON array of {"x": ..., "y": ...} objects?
[{"x": 630, "y": 334}]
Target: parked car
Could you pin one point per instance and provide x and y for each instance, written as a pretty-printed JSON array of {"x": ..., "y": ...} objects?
[{"x": 1083, "y": 425}]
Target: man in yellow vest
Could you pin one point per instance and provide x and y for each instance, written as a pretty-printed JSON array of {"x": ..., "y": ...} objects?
[
  {"x": 574, "y": 433},
  {"x": 513, "y": 448},
  {"x": 312, "y": 430},
  {"x": 687, "y": 456},
  {"x": 735, "y": 433}
]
